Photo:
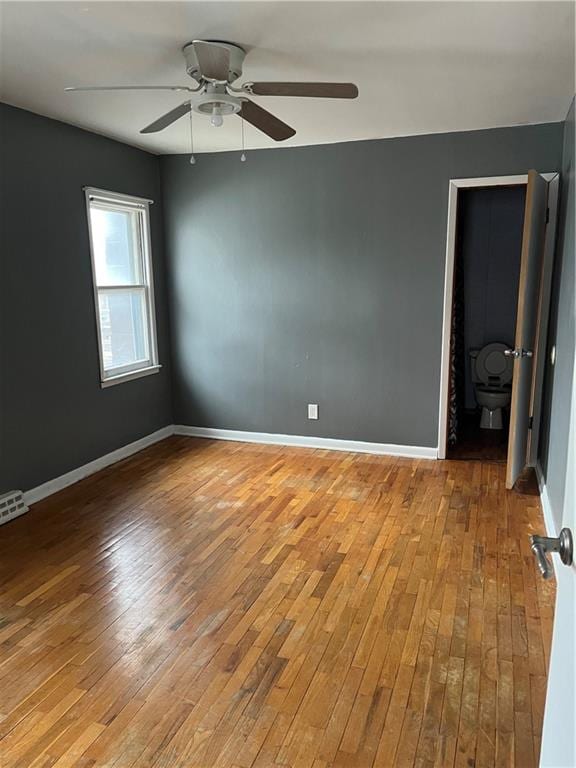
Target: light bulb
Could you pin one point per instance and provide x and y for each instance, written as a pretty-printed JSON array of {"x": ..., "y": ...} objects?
[
  {"x": 192, "y": 160},
  {"x": 243, "y": 157},
  {"x": 216, "y": 119}
]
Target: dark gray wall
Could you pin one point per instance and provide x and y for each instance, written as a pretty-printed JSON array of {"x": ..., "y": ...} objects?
[
  {"x": 558, "y": 382},
  {"x": 315, "y": 275},
  {"x": 490, "y": 224},
  {"x": 54, "y": 415}
]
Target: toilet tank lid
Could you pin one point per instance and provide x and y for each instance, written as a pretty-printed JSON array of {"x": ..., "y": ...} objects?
[{"x": 492, "y": 362}]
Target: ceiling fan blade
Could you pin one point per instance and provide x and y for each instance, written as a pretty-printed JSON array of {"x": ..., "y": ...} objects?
[
  {"x": 130, "y": 88},
  {"x": 168, "y": 118},
  {"x": 213, "y": 60},
  {"x": 317, "y": 90},
  {"x": 265, "y": 121}
]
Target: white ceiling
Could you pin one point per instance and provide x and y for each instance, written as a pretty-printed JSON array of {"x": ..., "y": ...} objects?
[{"x": 421, "y": 67}]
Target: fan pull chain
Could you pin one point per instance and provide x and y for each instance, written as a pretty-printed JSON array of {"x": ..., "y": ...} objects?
[
  {"x": 192, "y": 158},
  {"x": 243, "y": 155}
]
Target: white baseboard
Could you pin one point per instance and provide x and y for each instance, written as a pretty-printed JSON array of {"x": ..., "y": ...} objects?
[
  {"x": 551, "y": 527},
  {"x": 58, "y": 483},
  {"x": 325, "y": 443},
  {"x": 52, "y": 486}
]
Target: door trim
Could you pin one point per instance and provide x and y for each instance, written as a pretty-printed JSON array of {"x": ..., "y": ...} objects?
[{"x": 454, "y": 186}]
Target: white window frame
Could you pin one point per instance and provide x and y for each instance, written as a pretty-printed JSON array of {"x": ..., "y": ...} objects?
[{"x": 118, "y": 201}]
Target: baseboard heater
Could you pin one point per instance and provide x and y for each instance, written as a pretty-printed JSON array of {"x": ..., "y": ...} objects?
[{"x": 11, "y": 505}]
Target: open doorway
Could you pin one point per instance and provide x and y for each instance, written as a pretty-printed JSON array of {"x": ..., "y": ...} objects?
[
  {"x": 482, "y": 357},
  {"x": 489, "y": 228}
]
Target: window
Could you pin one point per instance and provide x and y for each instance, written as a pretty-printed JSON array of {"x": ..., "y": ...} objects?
[{"x": 119, "y": 230}]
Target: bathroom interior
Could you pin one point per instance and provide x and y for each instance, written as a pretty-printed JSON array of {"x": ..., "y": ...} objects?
[{"x": 486, "y": 277}]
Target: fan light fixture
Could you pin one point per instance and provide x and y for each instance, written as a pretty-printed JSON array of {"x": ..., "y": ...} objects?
[{"x": 217, "y": 106}]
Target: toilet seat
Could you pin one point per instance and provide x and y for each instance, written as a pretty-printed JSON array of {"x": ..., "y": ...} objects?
[{"x": 493, "y": 367}]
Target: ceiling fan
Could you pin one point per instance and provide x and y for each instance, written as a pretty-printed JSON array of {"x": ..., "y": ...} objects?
[{"x": 215, "y": 65}]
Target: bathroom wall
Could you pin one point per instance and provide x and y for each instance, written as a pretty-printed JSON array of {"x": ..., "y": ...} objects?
[{"x": 490, "y": 244}]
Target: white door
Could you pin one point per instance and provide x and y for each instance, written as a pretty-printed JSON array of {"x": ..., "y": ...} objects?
[
  {"x": 541, "y": 341},
  {"x": 559, "y": 731},
  {"x": 531, "y": 263}
]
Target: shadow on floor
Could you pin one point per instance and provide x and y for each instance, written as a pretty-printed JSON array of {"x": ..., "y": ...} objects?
[{"x": 475, "y": 443}]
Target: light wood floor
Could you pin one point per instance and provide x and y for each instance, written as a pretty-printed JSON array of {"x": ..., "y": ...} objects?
[{"x": 209, "y": 604}]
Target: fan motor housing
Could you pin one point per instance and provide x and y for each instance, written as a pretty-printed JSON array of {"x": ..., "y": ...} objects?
[{"x": 237, "y": 56}]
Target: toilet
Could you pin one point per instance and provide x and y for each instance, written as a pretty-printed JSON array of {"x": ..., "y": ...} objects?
[{"x": 492, "y": 377}]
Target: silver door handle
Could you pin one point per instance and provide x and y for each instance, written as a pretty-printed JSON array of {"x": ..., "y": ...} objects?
[
  {"x": 515, "y": 353},
  {"x": 541, "y": 545}
]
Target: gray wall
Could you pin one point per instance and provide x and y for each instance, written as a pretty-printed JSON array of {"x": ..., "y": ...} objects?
[
  {"x": 490, "y": 225},
  {"x": 558, "y": 382},
  {"x": 54, "y": 415},
  {"x": 316, "y": 275}
]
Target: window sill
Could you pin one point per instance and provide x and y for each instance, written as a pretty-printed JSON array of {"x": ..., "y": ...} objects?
[{"x": 130, "y": 376}]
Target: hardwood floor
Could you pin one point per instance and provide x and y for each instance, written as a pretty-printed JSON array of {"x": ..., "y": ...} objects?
[{"x": 208, "y": 604}]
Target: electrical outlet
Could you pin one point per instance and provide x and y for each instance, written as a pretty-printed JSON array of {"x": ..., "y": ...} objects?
[{"x": 312, "y": 410}]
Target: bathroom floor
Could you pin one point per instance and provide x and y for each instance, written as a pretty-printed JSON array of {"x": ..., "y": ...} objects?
[{"x": 480, "y": 444}]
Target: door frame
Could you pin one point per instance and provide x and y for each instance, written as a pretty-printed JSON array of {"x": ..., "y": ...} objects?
[{"x": 455, "y": 185}]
